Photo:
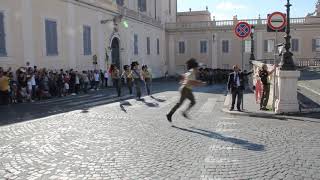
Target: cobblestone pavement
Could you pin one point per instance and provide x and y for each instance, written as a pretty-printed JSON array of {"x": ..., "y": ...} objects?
[
  {"x": 133, "y": 140},
  {"x": 309, "y": 90}
]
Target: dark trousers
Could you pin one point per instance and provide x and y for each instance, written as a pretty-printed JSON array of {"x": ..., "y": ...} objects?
[
  {"x": 137, "y": 83},
  {"x": 106, "y": 82},
  {"x": 237, "y": 93},
  {"x": 265, "y": 96},
  {"x": 4, "y": 97},
  {"x": 85, "y": 87},
  {"x": 96, "y": 84},
  {"x": 116, "y": 84},
  {"x": 130, "y": 84},
  {"x": 185, "y": 93},
  {"x": 148, "y": 85},
  {"x": 77, "y": 88}
]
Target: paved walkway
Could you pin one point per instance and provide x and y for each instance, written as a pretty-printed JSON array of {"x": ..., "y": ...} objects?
[{"x": 133, "y": 140}]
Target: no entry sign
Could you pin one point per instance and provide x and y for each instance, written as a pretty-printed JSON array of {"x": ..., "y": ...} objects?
[
  {"x": 242, "y": 30},
  {"x": 277, "y": 21}
]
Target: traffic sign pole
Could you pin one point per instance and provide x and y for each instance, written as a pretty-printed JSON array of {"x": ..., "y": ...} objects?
[
  {"x": 242, "y": 68},
  {"x": 242, "y": 30},
  {"x": 274, "y": 74}
]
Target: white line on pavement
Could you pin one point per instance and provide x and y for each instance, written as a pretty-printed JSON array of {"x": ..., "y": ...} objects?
[
  {"x": 209, "y": 105},
  {"x": 312, "y": 90}
]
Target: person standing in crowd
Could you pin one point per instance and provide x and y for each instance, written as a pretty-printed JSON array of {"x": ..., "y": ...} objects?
[
  {"x": 258, "y": 89},
  {"x": 147, "y": 77},
  {"x": 137, "y": 78},
  {"x": 77, "y": 82},
  {"x": 66, "y": 83},
  {"x": 13, "y": 88},
  {"x": 4, "y": 88},
  {"x": 106, "y": 77},
  {"x": 189, "y": 80},
  {"x": 236, "y": 85},
  {"x": 96, "y": 79},
  {"x": 72, "y": 82},
  {"x": 115, "y": 75},
  {"x": 264, "y": 76},
  {"x": 60, "y": 83},
  {"x": 86, "y": 81},
  {"x": 127, "y": 75}
]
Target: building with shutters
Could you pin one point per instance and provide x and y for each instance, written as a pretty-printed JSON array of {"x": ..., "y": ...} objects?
[
  {"x": 213, "y": 43},
  {"x": 68, "y": 33}
]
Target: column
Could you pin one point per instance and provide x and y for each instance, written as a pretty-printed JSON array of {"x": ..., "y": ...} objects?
[
  {"x": 172, "y": 55},
  {"x": 215, "y": 51},
  {"x": 259, "y": 48},
  {"x": 71, "y": 31},
  {"x": 287, "y": 102},
  {"x": 101, "y": 48},
  {"x": 27, "y": 32}
]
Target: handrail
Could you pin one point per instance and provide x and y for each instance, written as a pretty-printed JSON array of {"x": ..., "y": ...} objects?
[
  {"x": 226, "y": 23},
  {"x": 129, "y": 13}
]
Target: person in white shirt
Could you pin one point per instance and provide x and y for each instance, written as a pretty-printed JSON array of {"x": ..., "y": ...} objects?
[
  {"x": 96, "y": 79},
  {"x": 189, "y": 80},
  {"x": 34, "y": 85},
  {"x": 106, "y": 77}
]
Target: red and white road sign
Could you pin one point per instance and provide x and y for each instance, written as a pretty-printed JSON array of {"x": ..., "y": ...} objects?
[
  {"x": 242, "y": 30},
  {"x": 277, "y": 21}
]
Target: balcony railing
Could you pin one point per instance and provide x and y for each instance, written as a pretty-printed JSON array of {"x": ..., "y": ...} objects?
[
  {"x": 225, "y": 23},
  {"x": 139, "y": 16}
]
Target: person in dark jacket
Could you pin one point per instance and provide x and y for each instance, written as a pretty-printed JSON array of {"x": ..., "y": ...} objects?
[
  {"x": 264, "y": 76},
  {"x": 236, "y": 85}
]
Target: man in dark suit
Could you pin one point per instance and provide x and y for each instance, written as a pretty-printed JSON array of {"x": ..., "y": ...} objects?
[{"x": 236, "y": 85}]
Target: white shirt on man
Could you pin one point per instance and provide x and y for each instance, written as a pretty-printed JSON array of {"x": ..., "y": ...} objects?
[{"x": 96, "y": 76}]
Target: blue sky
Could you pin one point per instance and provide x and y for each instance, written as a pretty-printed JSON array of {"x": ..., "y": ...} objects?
[{"x": 247, "y": 9}]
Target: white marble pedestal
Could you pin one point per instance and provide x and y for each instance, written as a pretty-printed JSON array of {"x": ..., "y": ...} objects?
[{"x": 287, "y": 101}]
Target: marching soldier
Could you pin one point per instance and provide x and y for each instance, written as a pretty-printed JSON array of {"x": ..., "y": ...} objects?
[
  {"x": 147, "y": 77},
  {"x": 115, "y": 75},
  {"x": 136, "y": 78},
  {"x": 127, "y": 74}
]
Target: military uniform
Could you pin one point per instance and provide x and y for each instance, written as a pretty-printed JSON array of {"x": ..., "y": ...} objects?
[
  {"x": 115, "y": 75},
  {"x": 128, "y": 76},
  {"x": 147, "y": 79},
  {"x": 137, "y": 81}
]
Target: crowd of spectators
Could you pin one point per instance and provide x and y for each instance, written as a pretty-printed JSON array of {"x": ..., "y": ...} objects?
[
  {"x": 28, "y": 84},
  {"x": 214, "y": 76}
]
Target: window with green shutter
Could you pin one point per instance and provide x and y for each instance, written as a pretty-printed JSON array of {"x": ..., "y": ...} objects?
[
  {"x": 87, "y": 40},
  {"x": 295, "y": 45},
  {"x": 3, "y": 51},
  {"x": 51, "y": 38},
  {"x": 148, "y": 45}
]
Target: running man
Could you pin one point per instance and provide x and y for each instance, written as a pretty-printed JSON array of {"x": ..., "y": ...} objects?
[{"x": 188, "y": 81}]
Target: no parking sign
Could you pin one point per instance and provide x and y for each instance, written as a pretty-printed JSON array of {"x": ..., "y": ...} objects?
[{"x": 242, "y": 30}]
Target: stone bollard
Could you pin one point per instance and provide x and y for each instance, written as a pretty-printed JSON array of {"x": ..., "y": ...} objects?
[{"x": 287, "y": 102}]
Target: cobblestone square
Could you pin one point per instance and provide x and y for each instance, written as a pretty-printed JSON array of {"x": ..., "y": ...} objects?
[{"x": 132, "y": 140}]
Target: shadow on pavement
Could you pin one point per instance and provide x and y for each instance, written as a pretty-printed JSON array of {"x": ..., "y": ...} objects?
[
  {"x": 16, "y": 113},
  {"x": 309, "y": 75},
  {"x": 306, "y": 103},
  {"x": 243, "y": 143},
  {"x": 123, "y": 104}
]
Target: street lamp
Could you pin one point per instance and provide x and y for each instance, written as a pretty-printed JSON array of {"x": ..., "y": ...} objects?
[
  {"x": 287, "y": 63},
  {"x": 252, "y": 44}
]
